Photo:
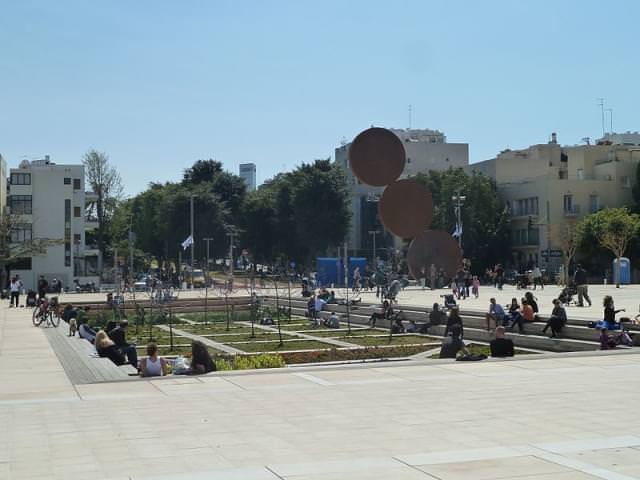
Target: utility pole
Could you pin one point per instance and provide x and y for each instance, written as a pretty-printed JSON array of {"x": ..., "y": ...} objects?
[
  {"x": 610, "y": 110},
  {"x": 208, "y": 240},
  {"x": 458, "y": 201},
  {"x": 346, "y": 266},
  {"x": 230, "y": 235},
  {"x": 373, "y": 233},
  {"x": 131, "y": 241},
  {"x": 193, "y": 243}
]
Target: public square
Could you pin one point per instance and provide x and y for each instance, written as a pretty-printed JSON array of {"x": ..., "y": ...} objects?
[{"x": 548, "y": 416}]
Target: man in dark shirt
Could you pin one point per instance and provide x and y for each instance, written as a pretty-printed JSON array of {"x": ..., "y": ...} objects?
[
  {"x": 580, "y": 281},
  {"x": 43, "y": 285},
  {"x": 119, "y": 337},
  {"x": 501, "y": 347}
]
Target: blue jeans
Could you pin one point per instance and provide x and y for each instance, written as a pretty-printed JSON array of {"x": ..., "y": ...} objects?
[{"x": 131, "y": 353}]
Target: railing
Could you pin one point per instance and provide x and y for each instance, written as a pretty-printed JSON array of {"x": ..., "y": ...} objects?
[{"x": 573, "y": 211}]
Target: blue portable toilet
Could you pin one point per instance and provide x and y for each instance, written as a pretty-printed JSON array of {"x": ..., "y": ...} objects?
[
  {"x": 625, "y": 270},
  {"x": 328, "y": 271},
  {"x": 356, "y": 262}
]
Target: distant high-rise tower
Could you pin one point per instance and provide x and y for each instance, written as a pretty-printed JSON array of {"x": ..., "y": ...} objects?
[{"x": 248, "y": 174}]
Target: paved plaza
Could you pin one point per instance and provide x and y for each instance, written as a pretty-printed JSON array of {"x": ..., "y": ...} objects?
[{"x": 548, "y": 417}]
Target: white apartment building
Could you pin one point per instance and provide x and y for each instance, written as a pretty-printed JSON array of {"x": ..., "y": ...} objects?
[
  {"x": 425, "y": 150},
  {"x": 548, "y": 186},
  {"x": 49, "y": 202},
  {"x": 248, "y": 174}
]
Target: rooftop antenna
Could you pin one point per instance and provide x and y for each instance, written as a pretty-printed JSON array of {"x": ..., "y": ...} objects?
[
  {"x": 586, "y": 140},
  {"x": 410, "y": 114},
  {"x": 610, "y": 110},
  {"x": 601, "y": 103}
]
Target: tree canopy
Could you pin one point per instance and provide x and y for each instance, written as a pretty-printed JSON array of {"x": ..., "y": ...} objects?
[{"x": 486, "y": 233}]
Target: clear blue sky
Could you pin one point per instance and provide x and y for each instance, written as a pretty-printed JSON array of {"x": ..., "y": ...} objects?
[{"x": 159, "y": 84}]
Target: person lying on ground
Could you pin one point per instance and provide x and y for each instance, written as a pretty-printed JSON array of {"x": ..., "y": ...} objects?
[{"x": 106, "y": 348}]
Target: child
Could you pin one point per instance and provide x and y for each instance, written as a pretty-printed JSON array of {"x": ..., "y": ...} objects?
[{"x": 475, "y": 286}]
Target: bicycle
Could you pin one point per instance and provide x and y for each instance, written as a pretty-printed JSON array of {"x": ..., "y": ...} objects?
[{"x": 45, "y": 311}]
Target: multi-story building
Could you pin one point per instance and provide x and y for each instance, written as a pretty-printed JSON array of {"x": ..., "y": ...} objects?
[
  {"x": 549, "y": 186},
  {"x": 48, "y": 201},
  {"x": 425, "y": 150},
  {"x": 248, "y": 174},
  {"x": 3, "y": 184}
]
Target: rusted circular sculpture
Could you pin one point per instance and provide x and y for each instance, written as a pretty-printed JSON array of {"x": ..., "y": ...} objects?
[
  {"x": 406, "y": 208},
  {"x": 435, "y": 247},
  {"x": 377, "y": 157}
]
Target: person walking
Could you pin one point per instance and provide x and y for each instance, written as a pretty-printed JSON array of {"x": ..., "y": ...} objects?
[
  {"x": 537, "y": 278},
  {"x": 14, "y": 288},
  {"x": 580, "y": 281},
  {"x": 433, "y": 274}
]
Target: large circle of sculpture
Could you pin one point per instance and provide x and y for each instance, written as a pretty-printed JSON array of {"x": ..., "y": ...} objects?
[
  {"x": 435, "y": 247},
  {"x": 377, "y": 157},
  {"x": 406, "y": 208}
]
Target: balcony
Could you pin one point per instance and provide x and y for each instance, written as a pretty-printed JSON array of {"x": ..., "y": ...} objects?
[
  {"x": 572, "y": 211},
  {"x": 90, "y": 222}
]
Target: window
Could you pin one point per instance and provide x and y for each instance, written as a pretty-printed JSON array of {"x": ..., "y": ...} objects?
[
  {"x": 525, "y": 206},
  {"x": 77, "y": 238},
  {"x": 625, "y": 181},
  {"x": 67, "y": 181},
  {"x": 77, "y": 212},
  {"x": 568, "y": 203},
  {"x": 67, "y": 232},
  {"x": 20, "y": 204},
  {"x": 594, "y": 203},
  {"x": 76, "y": 184},
  {"x": 580, "y": 174},
  {"x": 20, "y": 179},
  {"x": 21, "y": 232}
]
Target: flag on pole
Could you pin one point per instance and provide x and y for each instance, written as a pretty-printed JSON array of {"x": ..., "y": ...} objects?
[
  {"x": 187, "y": 242},
  {"x": 457, "y": 232}
]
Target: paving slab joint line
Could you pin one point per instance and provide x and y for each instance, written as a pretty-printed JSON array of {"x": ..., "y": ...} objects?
[
  {"x": 583, "y": 467},
  {"x": 274, "y": 473},
  {"x": 414, "y": 467}
]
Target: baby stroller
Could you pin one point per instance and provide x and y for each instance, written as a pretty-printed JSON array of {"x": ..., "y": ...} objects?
[
  {"x": 567, "y": 293},
  {"x": 449, "y": 301}
]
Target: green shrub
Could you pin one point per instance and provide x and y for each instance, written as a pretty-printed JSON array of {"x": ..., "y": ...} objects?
[{"x": 222, "y": 365}]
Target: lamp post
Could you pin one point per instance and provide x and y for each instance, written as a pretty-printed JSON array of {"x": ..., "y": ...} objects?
[
  {"x": 373, "y": 233},
  {"x": 458, "y": 201}
]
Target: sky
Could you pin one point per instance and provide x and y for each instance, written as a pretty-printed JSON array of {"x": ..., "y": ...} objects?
[{"x": 160, "y": 84}]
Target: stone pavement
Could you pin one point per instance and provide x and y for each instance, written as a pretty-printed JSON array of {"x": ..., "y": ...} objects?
[{"x": 554, "y": 417}]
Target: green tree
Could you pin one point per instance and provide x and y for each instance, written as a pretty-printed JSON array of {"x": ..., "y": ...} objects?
[
  {"x": 298, "y": 215},
  {"x": 614, "y": 228},
  {"x": 106, "y": 183},
  {"x": 486, "y": 233}
]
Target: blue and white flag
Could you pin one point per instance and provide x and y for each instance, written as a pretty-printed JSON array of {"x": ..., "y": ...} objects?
[
  {"x": 187, "y": 242},
  {"x": 457, "y": 232}
]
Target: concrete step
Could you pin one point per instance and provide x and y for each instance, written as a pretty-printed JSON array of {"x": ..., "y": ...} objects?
[{"x": 475, "y": 329}]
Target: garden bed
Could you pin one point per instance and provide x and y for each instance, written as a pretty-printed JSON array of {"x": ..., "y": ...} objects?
[
  {"x": 276, "y": 347},
  {"x": 369, "y": 353}
]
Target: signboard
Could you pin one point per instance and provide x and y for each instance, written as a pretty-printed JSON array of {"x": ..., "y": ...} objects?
[{"x": 552, "y": 253}]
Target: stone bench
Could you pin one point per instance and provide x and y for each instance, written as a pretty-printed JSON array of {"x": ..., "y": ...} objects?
[{"x": 80, "y": 361}]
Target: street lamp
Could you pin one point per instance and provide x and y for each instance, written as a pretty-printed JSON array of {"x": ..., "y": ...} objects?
[
  {"x": 458, "y": 201},
  {"x": 373, "y": 233}
]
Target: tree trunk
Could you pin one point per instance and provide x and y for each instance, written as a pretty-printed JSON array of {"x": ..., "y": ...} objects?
[
  {"x": 618, "y": 273},
  {"x": 100, "y": 236}
]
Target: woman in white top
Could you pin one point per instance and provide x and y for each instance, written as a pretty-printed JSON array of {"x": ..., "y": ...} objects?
[
  {"x": 15, "y": 286},
  {"x": 153, "y": 366}
]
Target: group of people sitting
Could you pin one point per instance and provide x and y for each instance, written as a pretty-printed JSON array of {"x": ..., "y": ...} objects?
[{"x": 111, "y": 342}]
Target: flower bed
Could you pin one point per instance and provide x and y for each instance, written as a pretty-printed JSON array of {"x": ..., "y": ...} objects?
[
  {"x": 276, "y": 347},
  {"x": 395, "y": 340},
  {"x": 369, "y": 353}
]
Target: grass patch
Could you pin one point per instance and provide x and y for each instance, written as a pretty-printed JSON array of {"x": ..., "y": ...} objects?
[
  {"x": 246, "y": 337},
  {"x": 342, "y": 333},
  {"x": 213, "y": 329},
  {"x": 335, "y": 355},
  {"x": 476, "y": 349},
  {"x": 217, "y": 316},
  {"x": 276, "y": 347}
]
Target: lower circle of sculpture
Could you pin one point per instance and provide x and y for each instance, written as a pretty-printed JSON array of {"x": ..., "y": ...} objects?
[{"x": 434, "y": 247}]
